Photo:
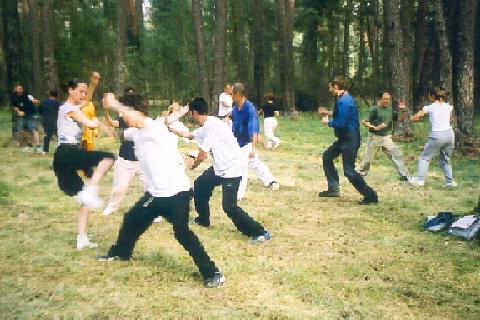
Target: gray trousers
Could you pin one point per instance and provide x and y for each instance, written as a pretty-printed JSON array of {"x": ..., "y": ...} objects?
[
  {"x": 441, "y": 142},
  {"x": 393, "y": 152}
]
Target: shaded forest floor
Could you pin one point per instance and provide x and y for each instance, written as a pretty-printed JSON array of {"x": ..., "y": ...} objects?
[{"x": 329, "y": 259}]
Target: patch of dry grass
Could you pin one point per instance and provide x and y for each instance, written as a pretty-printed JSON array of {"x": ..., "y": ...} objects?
[{"x": 329, "y": 258}]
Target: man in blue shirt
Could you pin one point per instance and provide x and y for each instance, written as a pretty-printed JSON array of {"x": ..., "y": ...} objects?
[
  {"x": 346, "y": 126},
  {"x": 245, "y": 128}
]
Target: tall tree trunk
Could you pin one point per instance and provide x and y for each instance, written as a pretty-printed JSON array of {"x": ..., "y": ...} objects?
[
  {"x": 373, "y": 24},
  {"x": 50, "y": 73},
  {"x": 444, "y": 46},
  {"x": 239, "y": 45},
  {"x": 310, "y": 57},
  {"x": 34, "y": 15},
  {"x": 119, "y": 64},
  {"x": 346, "y": 37},
  {"x": 286, "y": 19},
  {"x": 419, "y": 51},
  {"x": 219, "y": 66},
  {"x": 361, "y": 47},
  {"x": 12, "y": 43},
  {"x": 258, "y": 53},
  {"x": 200, "y": 45},
  {"x": 406, "y": 22},
  {"x": 398, "y": 73},
  {"x": 463, "y": 66},
  {"x": 331, "y": 46}
]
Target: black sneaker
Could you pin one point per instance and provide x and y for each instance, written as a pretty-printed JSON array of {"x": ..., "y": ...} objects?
[
  {"x": 200, "y": 222},
  {"x": 369, "y": 200},
  {"x": 330, "y": 193},
  {"x": 215, "y": 281},
  {"x": 403, "y": 178}
]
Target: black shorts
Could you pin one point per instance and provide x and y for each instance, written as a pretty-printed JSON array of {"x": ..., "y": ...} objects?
[{"x": 68, "y": 159}]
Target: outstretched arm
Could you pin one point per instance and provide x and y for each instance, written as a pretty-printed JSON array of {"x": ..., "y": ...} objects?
[{"x": 418, "y": 116}]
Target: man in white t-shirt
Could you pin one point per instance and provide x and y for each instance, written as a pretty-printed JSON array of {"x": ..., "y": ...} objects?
[
  {"x": 216, "y": 138},
  {"x": 168, "y": 193},
  {"x": 225, "y": 102}
]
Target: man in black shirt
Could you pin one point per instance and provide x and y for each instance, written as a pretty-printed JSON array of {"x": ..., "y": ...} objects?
[
  {"x": 24, "y": 107},
  {"x": 49, "y": 112},
  {"x": 270, "y": 113}
]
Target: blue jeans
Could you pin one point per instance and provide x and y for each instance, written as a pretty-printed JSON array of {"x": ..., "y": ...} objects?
[{"x": 441, "y": 142}]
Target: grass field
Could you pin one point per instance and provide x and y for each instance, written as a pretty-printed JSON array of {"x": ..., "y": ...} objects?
[{"x": 329, "y": 259}]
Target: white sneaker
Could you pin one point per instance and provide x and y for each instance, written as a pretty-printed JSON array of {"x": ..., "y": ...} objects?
[
  {"x": 413, "y": 181},
  {"x": 28, "y": 149},
  {"x": 158, "y": 219},
  {"x": 451, "y": 184},
  {"x": 39, "y": 150},
  {"x": 274, "y": 185},
  {"x": 84, "y": 243},
  {"x": 109, "y": 210},
  {"x": 89, "y": 198},
  {"x": 276, "y": 145}
]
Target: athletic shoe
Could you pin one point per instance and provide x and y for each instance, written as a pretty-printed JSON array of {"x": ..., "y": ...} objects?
[
  {"x": 369, "y": 200},
  {"x": 39, "y": 150},
  {"x": 200, "y": 222},
  {"x": 27, "y": 149},
  {"x": 442, "y": 221},
  {"x": 108, "y": 210},
  {"x": 330, "y": 193},
  {"x": 404, "y": 178},
  {"x": 414, "y": 182},
  {"x": 89, "y": 198},
  {"x": 275, "y": 146},
  {"x": 108, "y": 258},
  {"x": 274, "y": 185},
  {"x": 451, "y": 184},
  {"x": 215, "y": 281},
  {"x": 83, "y": 242},
  {"x": 262, "y": 238},
  {"x": 158, "y": 219}
]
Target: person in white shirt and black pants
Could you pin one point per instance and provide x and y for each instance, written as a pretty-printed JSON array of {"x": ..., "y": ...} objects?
[
  {"x": 216, "y": 138},
  {"x": 168, "y": 193}
]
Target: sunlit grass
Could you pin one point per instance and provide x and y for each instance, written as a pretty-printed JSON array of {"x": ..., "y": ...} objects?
[{"x": 329, "y": 258}]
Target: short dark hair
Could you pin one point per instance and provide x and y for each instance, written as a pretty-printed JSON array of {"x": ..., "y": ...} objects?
[
  {"x": 53, "y": 93},
  {"x": 340, "y": 82},
  {"x": 129, "y": 90},
  {"x": 73, "y": 84},
  {"x": 200, "y": 105},
  {"x": 239, "y": 88},
  {"x": 437, "y": 93},
  {"x": 136, "y": 102},
  {"x": 381, "y": 93}
]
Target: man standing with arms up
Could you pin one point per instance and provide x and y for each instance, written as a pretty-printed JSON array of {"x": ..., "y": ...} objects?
[
  {"x": 245, "y": 129},
  {"x": 380, "y": 123},
  {"x": 346, "y": 126}
]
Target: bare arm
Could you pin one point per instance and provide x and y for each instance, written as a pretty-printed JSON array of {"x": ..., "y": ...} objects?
[
  {"x": 324, "y": 112},
  {"x": 111, "y": 122},
  {"x": 418, "y": 116},
  {"x": 94, "y": 80},
  {"x": 83, "y": 119},
  {"x": 202, "y": 155}
]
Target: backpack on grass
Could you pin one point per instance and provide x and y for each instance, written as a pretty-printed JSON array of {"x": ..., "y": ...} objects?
[{"x": 466, "y": 227}]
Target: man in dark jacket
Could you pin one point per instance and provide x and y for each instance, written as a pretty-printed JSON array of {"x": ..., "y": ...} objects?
[{"x": 346, "y": 126}]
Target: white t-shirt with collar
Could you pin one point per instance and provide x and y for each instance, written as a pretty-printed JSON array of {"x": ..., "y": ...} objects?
[
  {"x": 216, "y": 137},
  {"x": 160, "y": 161},
  {"x": 225, "y": 104},
  {"x": 439, "y": 114}
]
